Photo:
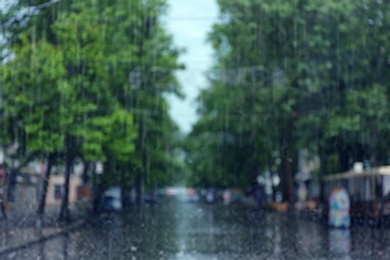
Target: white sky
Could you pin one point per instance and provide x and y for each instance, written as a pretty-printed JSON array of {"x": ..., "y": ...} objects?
[{"x": 189, "y": 21}]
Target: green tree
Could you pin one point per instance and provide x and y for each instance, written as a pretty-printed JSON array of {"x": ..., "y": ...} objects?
[
  {"x": 302, "y": 74},
  {"x": 30, "y": 83},
  {"x": 109, "y": 67}
]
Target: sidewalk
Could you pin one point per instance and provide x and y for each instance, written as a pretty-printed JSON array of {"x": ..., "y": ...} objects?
[{"x": 19, "y": 230}]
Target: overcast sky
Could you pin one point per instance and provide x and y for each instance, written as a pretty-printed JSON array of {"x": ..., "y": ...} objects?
[{"x": 189, "y": 21}]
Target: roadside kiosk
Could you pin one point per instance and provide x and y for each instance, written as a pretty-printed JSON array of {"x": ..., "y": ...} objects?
[{"x": 366, "y": 193}]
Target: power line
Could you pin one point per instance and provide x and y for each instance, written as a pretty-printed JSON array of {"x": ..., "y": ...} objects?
[
  {"x": 189, "y": 18},
  {"x": 44, "y": 5},
  {"x": 30, "y": 10}
]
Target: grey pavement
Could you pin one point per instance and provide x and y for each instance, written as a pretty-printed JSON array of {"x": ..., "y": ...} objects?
[{"x": 19, "y": 229}]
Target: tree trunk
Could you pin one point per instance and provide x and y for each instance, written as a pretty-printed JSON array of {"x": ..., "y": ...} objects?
[
  {"x": 95, "y": 191},
  {"x": 273, "y": 188},
  {"x": 43, "y": 195},
  {"x": 85, "y": 177},
  {"x": 64, "y": 215},
  {"x": 125, "y": 189},
  {"x": 287, "y": 187},
  {"x": 138, "y": 189},
  {"x": 343, "y": 159},
  {"x": 323, "y": 197},
  {"x": 96, "y": 199}
]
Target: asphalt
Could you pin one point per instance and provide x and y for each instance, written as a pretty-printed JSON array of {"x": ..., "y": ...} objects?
[
  {"x": 19, "y": 231},
  {"x": 208, "y": 231}
]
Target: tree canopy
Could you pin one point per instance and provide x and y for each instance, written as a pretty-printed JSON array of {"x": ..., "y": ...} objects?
[
  {"x": 89, "y": 79},
  {"x": 291, "y": 75}
]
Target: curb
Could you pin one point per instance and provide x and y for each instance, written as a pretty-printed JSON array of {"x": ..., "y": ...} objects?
[{"x": 38, "y": 240}]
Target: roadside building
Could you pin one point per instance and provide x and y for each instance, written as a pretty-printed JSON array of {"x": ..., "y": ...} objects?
[
  {"x": 56, "y": 190},
  {"x": 24, "y": 187}
]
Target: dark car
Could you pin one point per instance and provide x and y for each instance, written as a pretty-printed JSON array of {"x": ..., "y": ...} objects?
[{"x": 109, "y": 203}]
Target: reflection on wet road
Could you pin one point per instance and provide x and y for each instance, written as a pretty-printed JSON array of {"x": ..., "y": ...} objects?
[{"x": 198, "y": 231}]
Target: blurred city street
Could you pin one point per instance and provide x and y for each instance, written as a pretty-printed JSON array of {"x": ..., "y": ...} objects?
[{"x": 208, "y": 231}]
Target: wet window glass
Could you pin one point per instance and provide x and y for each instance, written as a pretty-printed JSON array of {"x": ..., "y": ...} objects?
[{"x": 213, "y": 129}]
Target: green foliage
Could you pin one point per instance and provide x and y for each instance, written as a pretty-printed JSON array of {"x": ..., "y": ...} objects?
[
  {"x": 120, "y": 137},
  {"x": 89, "y": 79},
  {"x": 289, "y": 75},
  {"x": 29, "y": 86}
]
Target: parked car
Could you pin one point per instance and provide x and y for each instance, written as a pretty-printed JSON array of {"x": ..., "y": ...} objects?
[
  {"x": 111, "y": 200},
  {"x": 151, "y": 198},
  {"x": 210, "y": 196},
  {"x": 109, "y": 203}
]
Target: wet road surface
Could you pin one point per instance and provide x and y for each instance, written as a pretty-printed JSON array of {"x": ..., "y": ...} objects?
[{"x": 199, "y": 231}]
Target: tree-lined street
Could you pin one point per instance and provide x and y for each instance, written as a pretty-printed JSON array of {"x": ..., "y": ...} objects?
[{"x": 293, "y": 119}]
